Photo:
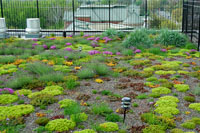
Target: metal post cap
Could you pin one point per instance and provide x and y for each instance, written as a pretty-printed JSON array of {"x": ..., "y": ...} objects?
[{"x": 126, "y": 99}]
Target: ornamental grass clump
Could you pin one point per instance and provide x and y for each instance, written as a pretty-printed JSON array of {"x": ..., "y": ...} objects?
[
  {"x": 99, "y": 69},
  {"x": 101, "y": 109},
  {"x": 7, "y": 59},
  {"x": 71, "y": 84},
  {"x": 167, "y": 37},
  {"x": 138, "y": 38},
  {"x": 19, "y": 81},
  {"x": 113, "y": 118},
  {"x": 71, "y": 108},
  {"x": 39, "y": 68},
  {"x": 86, "y": 73},
  {"x": 53, "y": 77}
]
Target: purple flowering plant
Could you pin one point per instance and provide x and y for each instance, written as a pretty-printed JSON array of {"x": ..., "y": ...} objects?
[
  {"x": 163, "y": 50},
  {"x": 137, "y": 51},
  {"x": 53, "y": 47},
  {"x": 52, "y": 38},
  {"x": 35, "y": 39},
  {"x": 6, "y": 91},
  {"x": 44, "y": 46},
  {"x": 93, "y": 52},
  {"x": 107, "y": 53},
  {"x": 68, "y": 49}
]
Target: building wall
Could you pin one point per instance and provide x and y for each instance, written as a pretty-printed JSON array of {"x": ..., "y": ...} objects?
[{"x": 86, "y": 19}]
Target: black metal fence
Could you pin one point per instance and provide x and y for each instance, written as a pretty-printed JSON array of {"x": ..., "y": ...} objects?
[
  {"x": 191, "y": 20},
  {"x": 71, "y": 16}
]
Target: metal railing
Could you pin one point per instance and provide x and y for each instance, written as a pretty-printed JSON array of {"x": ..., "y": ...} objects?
[
  {"x": 63, "y": 17},
  {"x": 191, "y": 20}
]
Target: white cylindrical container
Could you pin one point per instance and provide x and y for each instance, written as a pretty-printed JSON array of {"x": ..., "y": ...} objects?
[
  {"x": 33, "y": 25},
  {"x": 2, "y": 25}
]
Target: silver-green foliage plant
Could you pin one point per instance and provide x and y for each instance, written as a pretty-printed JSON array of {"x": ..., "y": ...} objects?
[
  {"x": 138, "y": 38},
  {"x": 19, "y": 81},
  {"x": 168, "y": 37},
  {"x": 39, "y": 68}
]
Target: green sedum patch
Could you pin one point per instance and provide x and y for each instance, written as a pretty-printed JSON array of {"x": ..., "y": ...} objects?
[
  {"x": 109, "y": 127},
  {"x": 195, "y": 106},
  {"x": 66, "y": 103},
  {"x": 60, "y": 125},
  {"x": 173, "y": 65},
  {"x": 161, "y": 72},
  {"x": 85, "y": 131},
  {"x": 52, "y": 90},
  {"x": 15, "y": 111},
  {"x": 79, "y": 117},
  {"x": 24, "y": 92},
  {"x": 161, "y": 90},
  {"x": 140, "y": 62},
  {"x": 154, "y": 129},
  {"x": 182, "y": 87},
  {"x": 189, "y": 125},
  {"x": 8, "y": 98},
  {"x": 8, "y": 68},
  {"x": 182, "y": 72},
  {"x": 166, "y": 106}
]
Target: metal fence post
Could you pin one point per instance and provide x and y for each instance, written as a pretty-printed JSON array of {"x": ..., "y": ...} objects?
[
  {"x": 199, "y": 35},
  {"x": 73, "y": 17},
  {"x": 187, "y": 18},
  {"x": 37, "y": 4},
  {"x": 145, "y": 13},
  {"x": 2, "y": 8},
  {"x": 109, "y": 12},
  {"x": 192, "y": 19},
  {"x": 183, "y": 16}
]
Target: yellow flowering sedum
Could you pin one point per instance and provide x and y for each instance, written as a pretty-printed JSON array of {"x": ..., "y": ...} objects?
[{"x": 99, "y": 80}]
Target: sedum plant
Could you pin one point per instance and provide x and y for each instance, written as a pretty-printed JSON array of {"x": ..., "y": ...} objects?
[
  {"x": 109, "y": 127},
  {"x": 86, "y": 131},
  {"x": 166, "y": 106},
  {"x": 66, "y": 103},
  {"x": 52, "y": 90},
  {"x": 15, "y": 111},
  {"x": 195, "y": 106},
  {"x": 24, "y": 92},
  {"x": 154, "y": 129},
  {"x": 79, "y": 117},
  {"x": 43, "y": 100},
  {"x": 181, "y": 87},
  {"x": 8, "y": 98},
  {"x": 60, "y": 125},
  {"x": 161, "y": 90}
]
